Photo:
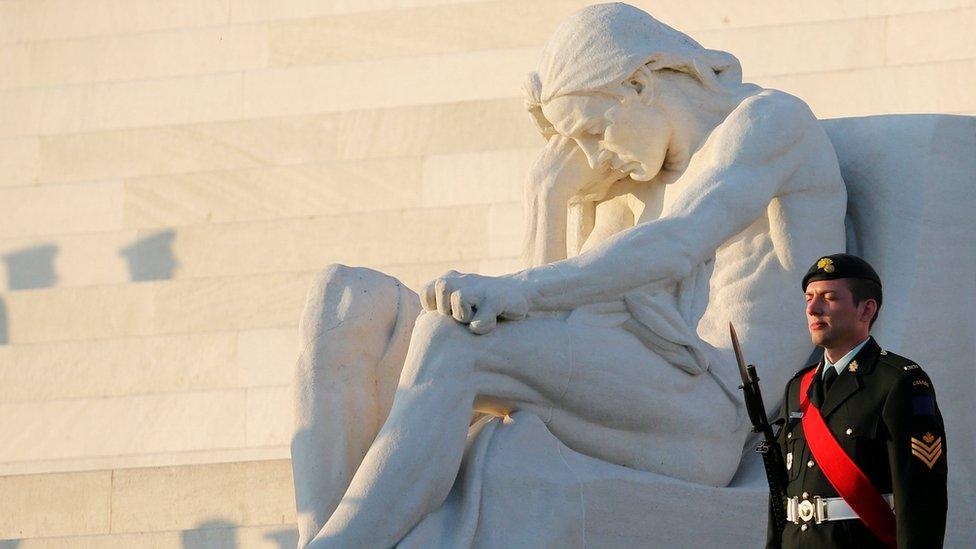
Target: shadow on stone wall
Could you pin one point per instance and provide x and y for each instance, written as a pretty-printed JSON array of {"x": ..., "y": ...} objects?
[
  {"x": 31, "y": 268},
  {"x": 4, "y": 336},
  {"x": 27, "y": 269},
  {"x": 284, "y": 539},
  {"x": 212, "y": 534},
  {"x": 223, "y": 534},
  {"x": 151, "y": 258}
]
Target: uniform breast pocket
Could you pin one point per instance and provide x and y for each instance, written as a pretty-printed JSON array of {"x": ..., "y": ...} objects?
[
  {"x": 795, "y": 445},
  {"x": 862, "y": 439}
]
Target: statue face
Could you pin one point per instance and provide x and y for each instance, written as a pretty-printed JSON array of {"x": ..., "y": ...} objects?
[{"x": 625, "y": 135}]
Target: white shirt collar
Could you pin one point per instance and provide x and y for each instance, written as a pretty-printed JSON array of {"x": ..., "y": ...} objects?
[{"x": 841, "y": 364}]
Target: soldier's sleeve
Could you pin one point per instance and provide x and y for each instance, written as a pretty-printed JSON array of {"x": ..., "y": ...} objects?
[
  {"x": 917, "y": 457},
  {"x": 773, "y": 536}
]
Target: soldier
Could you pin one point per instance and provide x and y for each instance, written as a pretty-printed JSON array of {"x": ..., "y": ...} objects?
[{"x": 864, "y": 441}]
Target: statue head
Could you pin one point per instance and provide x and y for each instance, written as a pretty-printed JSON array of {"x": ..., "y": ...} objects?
[{"x": 600, "y": 81}]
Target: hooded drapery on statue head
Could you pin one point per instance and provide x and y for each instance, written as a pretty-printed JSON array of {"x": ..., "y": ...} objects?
[{"x": 601, "y": 46}]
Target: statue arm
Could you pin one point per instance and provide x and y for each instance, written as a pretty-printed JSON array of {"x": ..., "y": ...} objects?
[
  {"x": 728, "y": 184},
  {"x": 560, "y": 175}
]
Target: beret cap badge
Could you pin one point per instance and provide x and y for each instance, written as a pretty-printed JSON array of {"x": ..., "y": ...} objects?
[{"x": 826, "y": 264}]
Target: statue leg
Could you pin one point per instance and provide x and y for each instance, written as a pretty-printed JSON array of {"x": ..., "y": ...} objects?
[
  {"x": 599, "y": 390},
  {"x": 354, "y": 334}
]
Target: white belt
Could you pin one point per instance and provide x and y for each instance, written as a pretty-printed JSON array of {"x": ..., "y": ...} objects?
[{"x": 818, "y": 509}]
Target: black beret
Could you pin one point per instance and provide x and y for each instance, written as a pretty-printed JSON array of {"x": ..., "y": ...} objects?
[{"x": 831, "y": 267}]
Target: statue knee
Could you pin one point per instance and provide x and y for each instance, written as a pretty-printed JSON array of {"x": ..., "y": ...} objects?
[
  {"x": 440, "y": 349},
  {"x": 349, "y": 309}
]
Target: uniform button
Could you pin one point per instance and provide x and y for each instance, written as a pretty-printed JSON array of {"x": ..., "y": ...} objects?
[
  {"x": 810, "y": 463},
  {"x": 849, "y": 431},
  {"x": 803, "y": 528},
  {"x": 789, "y": 435}
]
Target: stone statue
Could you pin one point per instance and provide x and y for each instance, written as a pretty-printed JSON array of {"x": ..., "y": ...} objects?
[{"x": 670, "y": 198}]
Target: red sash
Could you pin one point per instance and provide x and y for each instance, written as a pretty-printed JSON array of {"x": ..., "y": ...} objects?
[{"x": 841, "y": 471}]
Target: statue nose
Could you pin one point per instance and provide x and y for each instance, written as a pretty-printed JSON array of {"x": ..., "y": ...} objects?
[{"x": 594, "y": 156}]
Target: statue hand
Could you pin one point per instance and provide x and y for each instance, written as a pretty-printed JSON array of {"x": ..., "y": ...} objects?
[{"x": 476, "y": 300}]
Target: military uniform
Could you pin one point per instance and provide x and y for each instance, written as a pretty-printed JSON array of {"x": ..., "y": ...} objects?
[
  {"x": 882, "y": 411},
  {"x": 885, "y": 417}
]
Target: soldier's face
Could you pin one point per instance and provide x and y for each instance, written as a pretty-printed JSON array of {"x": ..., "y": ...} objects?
[
  {"x": 624, "y": 135},
  {"x": 832, "y": 318}
]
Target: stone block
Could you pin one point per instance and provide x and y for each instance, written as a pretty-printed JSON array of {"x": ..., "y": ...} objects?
[
  {"x": 118, "y": 367},
  {"x": 65, "y": 314},
  {"x": 270, "y": 419},
  {"x": 118, "y": 426},
  {"x": 447, "y": 28},
  {"x": 136, "y": 56},
  {"x": 47, "y": 210},
  {"x": 274, "y": 300},
  {"x": 436, "y": 129},
  {"x": 500, "y": 266},
  {"x": 717, "y": 14},
  {"x": 387, "y": 83},
  {"x": 158, "y": 459},
  {"x": 73, "y": 260},
  {"x": 261, "y": 10},
  {"x": 802, "y": 47},
  {"x": 912, "y": 38},
  {"x": 208, "y": 536},
  {"x": 92, "y": 107},
  {"x": 275, "y": 141},
  {"x": 904, "y": 89},
  {"x": 20, "y": 161},
  {"x": 416, "y": 275},
  {"x": 184, "y": 498},
  {"x": 272, "y": 193},
  {"x": 308, "y": 244},
  {"x": 505, "y": 230},
  {"x": 151, "y": 308},
  {"x": 476, "y": 178},
  {"x": 25, "y": 20},
  {"x": 16, "y": 62},
  {"x": 187, "y": 148},
  {"x": 68, "y": 504},
  {"x": 266, "y": 357}
]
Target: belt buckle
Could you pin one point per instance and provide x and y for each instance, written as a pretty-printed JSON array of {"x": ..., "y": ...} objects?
[
  {"x": 821, "y": 509},
  {"x": 806, "y": 510}
]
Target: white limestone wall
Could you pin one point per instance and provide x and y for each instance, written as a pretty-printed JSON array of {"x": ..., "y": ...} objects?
[{"x": 172, "y": 173}]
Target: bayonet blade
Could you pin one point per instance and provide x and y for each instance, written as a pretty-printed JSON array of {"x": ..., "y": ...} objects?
[{"x": 738, "y": 354}]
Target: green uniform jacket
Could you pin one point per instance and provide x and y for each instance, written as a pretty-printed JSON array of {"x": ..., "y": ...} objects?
[{"x": 884, "y": 415}]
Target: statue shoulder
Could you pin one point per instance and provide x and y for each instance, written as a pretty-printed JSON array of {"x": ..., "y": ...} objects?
[
  {"x": 776, "y": 105},
  {"x": 769, "y": 122}
]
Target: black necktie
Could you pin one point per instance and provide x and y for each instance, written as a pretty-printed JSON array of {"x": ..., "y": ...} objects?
[{"x": 829, "y": 378}]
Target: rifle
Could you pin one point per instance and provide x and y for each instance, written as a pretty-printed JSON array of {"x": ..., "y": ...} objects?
[{"x": 768, "y": 448}]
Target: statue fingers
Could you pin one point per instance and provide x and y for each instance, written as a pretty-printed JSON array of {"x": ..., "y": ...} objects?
[
  {"x": 461, "y": 308},
  {"x": 428, "y": 298},
  {"x": 484, "y": 320},
  {"x": 442, "y": 296}
]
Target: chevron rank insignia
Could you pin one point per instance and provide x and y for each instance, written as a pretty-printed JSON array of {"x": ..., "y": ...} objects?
[{"x": 928, "y": 450}]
